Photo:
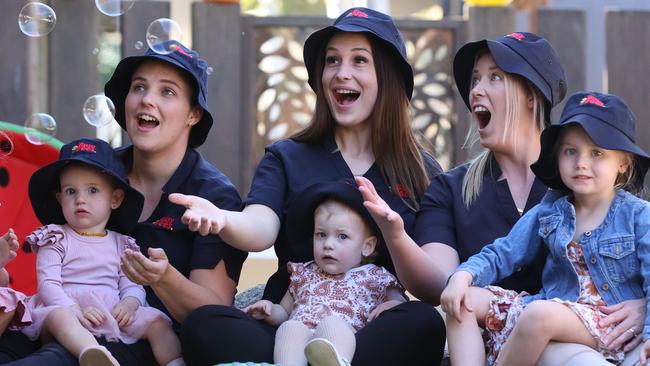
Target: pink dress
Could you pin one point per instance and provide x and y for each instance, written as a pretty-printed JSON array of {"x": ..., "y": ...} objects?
[
  {"x": 507, "y": 305},
  {"x": 351, "y": 296},
  {"x": 11, "y": 300},
  {"x": 85, "y": 270}
]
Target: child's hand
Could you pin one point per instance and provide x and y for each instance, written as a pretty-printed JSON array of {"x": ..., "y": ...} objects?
[
  {"x": 645, "y": 351},
  {"x": 389, "y": 221},
  {"x": 124, "y": 311},
  {"x": 92, "y": 317},
  {"x": 456, "y": 294},
  {"x": 200, "y": 214},
  {"x": 383, "y": 307},
  {"x": 259, "y": 310},
  {"x": 8, "y": 247}
]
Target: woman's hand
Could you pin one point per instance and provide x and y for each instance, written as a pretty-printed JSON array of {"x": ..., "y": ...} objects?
[
  {"x": 8, "y": 247},
  {"x": 645, "y": 351},
  {"x": 142, "y": 270},
  {"x": 200, "y": 214},
  {"x": 456, "y": 294},
  {"x": 628, "y": 318},
  {"x": 124, "y": 311},
  {"x": 260, "y": 310},
  {"x": 389, "y": 221}
]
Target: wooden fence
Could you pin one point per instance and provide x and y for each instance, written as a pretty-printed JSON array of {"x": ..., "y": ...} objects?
[{"x": 258, "y": 91}]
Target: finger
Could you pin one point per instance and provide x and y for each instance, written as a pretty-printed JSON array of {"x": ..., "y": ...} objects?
[
  {"x": 92, "y": 318},
  {"x": 611, "y": 309},
  {"x": 180, "y": 199},
  {"x": 194, "y": 224},
  {"x": 619, "y": 336},
  {"x": 85, "y": 323},
  {"x": 615, "y": 317},
  {"x": 131, "y": 273},
  {"x": 156, "y": 254},
  {"x": 215, "y": 228},
  {"x": 643, "y": 357},
  {"x": 633, "y": 343},
  {"x": 129, "y": 320},
  {"x": 204, "y": 227}
]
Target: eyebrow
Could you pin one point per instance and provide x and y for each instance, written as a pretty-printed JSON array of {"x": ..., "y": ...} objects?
[
  {"x": 353, "y": 49},
  {"x": 168, "y": 81},
  {"x": 491, "y": 68}
]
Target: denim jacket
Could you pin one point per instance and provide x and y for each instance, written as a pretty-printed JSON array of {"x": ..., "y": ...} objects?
[{"x": 617, "y": 252}]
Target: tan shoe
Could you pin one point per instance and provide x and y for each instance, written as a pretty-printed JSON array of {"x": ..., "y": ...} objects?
[
  {"x": 97, "y": 356},
  {"x": 321, "y": 352}
]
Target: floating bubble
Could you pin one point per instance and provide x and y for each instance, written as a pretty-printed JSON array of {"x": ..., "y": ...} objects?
[
  {"x": 36, "y": 19},
  {"x": 39, "y": 128},
  {"x": 114, "y": 8},
  {"x": 161, "y": 35},
  {"x": 98, "y": 110},
  {"x": 209, "y": 70},
  {"x": 6, "y": 145},
  {"x": 95, "y": 51},
  {"x": 138, "y": 45}
]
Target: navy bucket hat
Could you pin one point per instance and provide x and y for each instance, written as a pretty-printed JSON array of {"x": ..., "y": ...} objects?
[
  {"x": 44, "y": 184},
  {"x": 300, "y": 216},
  {"x": 183, "y": 58},
  {"x": 522, "y": 53},
  {"x": 607, "y": 120},
  {"x": 361, "y": 20}
]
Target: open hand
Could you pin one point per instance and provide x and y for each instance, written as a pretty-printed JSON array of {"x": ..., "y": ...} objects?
[
  {"x": 388, "y": 220},
  {"x": 124, "y": 311},
  {"x": 8, "y": 247},
  {"x": 200, "y": 214},
  {"x": 142, "y": 270},
  {"x": 259, "y": 310},
  {"x": 628, "y": 317}
]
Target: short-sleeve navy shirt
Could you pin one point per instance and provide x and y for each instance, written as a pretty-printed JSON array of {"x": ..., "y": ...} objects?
[
  {"x": 187, "y": 250},
  {"x": 288, "y": 167},
  {"x": 444, "y": 218}
]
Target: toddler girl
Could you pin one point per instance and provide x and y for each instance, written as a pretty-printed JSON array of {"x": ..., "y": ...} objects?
[
  {"x": 88, "y": 208},
  {"x": 336, "y": 294},
  {"x": 598, "y": 240},
  {"x": 12, "y": 303}
]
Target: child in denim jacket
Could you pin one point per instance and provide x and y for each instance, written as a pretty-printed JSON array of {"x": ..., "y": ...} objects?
[{"x": 597, "y": 235}]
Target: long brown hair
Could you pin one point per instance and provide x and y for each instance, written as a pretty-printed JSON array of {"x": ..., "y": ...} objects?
[{"x": 397, "y": 152}]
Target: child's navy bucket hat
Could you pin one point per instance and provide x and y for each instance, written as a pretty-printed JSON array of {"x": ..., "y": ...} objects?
[
  {"x": 300, "y": 216},
  {"x": 525, "y": 54},
  {"x": 364, "y": 20},
  {"x": 187, "y": 61},
  {"x": 44, "y": 184},
  {"x": 607, "y": 120}
]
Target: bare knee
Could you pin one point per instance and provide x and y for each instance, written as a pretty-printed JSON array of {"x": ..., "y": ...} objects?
[
  {"x": 158, "y": 326},
  {"x": 59, "y": 317},
  {"x": 534, "y": 318}
]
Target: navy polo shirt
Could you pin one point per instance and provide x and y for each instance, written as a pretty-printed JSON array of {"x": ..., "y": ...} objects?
[
  {"x": 288, "y": 167},
  {"x": 187, "y": 250},
  {"x": 444, "y": 218}
]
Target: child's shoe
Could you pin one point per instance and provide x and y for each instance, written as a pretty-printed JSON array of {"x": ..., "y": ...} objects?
[
  {"x": 97, "y": 356},
  {"x": 321, "y": 352}
]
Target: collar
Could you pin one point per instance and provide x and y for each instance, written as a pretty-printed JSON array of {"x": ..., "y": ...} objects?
[{"x": 180, "y": 174}]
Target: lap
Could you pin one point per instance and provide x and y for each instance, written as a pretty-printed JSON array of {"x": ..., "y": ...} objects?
[{"x": 571, "y": 354}]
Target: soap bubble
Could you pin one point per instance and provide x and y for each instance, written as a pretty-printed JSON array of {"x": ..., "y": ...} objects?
[
  {"x": 114, "y": 8},
  {"x": 39, "y": 128},
  {"x": 6, "y": 145},
  {"x": 36, "y": 19},
  {"x": 160, "y": 32},
  {"x": 98, "y": 110}
]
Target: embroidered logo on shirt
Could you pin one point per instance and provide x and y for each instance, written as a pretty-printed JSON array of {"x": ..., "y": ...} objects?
[
  {"x": 84, "y": 147},
  {"x": 401, "y": 191},
  {"x": 590, "y": 99},
  {"x": 165, "y": 222},
  {"x": 517, "y": 36},
  {"x": 357, "y": 13}
]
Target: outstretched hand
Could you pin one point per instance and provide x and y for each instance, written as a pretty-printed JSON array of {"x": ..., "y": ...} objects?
[
  {"x": 8, "y": 247},
  {"x": 142, "y": 270},
  {"x": 200, "y": 214},
  {"x": 260, "y": 310},
  {"x": 389, "y": 221}
]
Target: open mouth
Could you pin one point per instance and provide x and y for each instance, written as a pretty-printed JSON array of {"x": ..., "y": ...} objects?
[
  {"x": 483, "y": 116},
  {"x": 346, "y": 96},
  {"x": 146, "y": 120}
]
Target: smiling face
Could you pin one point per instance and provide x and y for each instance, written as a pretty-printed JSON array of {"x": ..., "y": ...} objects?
[
  {"x": 349, "y": 78},
  {"x": 587, "y": 169},
  {"x": 87, "y": 198},
  {"x": 158, "y": 111},
  {"x": 341, "y": 238}
]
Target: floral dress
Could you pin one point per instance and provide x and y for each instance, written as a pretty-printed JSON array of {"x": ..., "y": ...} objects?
[{"x": 506, "y": 307}]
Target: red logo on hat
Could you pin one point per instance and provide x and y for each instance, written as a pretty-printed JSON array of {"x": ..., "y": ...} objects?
[
  {"x": 165, "y": 222},
  {"x": 517, "y": 36},
  {"x": 181, "y": 50},
  {"x": 590, "y": 99},
  {"x": 82, "y": 146},
  {"x": 357, "y": 13}
]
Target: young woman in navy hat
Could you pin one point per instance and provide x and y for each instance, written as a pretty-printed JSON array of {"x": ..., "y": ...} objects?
[
  {"x": 161, "y": 103},
  {"x": 597, "y": 235},
  {"x": 363, "y": 84}
]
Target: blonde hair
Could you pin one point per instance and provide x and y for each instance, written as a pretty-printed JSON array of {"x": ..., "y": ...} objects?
[{"x": 473, "y": 180}]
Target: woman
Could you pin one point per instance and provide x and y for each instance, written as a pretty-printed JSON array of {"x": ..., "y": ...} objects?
[
  {"x": 363, "y": 84},
  {"x": 161, "y": 102},
  {"x": 509, "y": 84}
]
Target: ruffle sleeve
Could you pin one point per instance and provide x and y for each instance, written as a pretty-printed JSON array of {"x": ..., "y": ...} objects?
[
  {"x": 46, "y": 235},
  {"x": 127, "y": 242},
  {"x": 126, "y": 286}
]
